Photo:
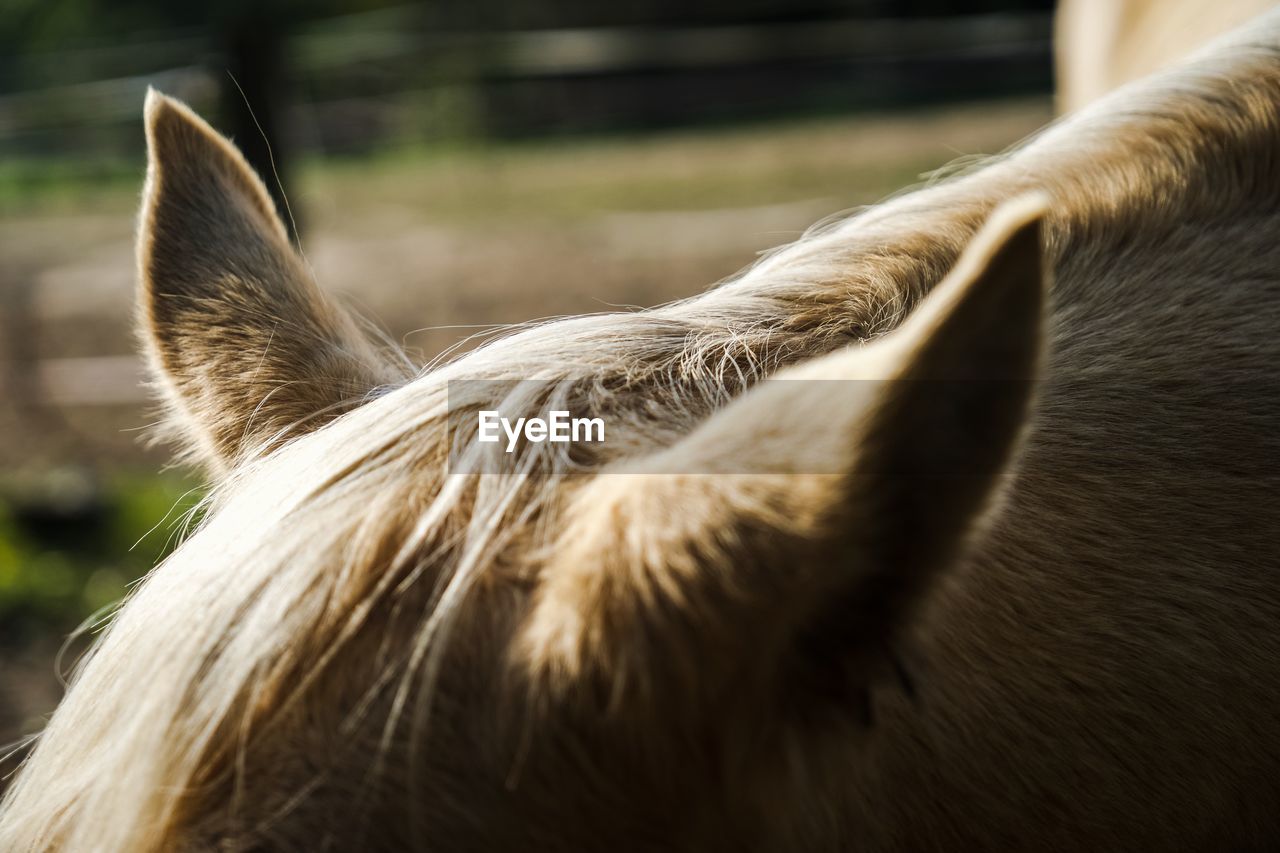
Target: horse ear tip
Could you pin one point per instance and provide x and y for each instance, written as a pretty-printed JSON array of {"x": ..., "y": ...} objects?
[
  {"x": 1022, "y": 211},
  {"x": 165, "y": 113},
  {"x": 155, "y": 105}
]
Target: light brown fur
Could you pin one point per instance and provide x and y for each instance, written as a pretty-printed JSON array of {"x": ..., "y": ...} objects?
[
  {"x": 1099, "y": 45},
  {"x": 699, "y": 644}
]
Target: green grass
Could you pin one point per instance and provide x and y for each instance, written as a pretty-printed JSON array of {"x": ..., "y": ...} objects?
[
  {"x": 478, "y": 182},
  {"x": 578, "y": 179},
  {"x": 60, "y": 564},
  {"x": 67, "y": 185}
]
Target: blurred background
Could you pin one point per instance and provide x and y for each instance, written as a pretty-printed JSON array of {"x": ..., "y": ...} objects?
[{"x": 451, "y": 165}]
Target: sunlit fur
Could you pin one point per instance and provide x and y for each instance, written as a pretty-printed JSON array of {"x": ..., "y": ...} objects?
[{"x": 347, "y": 653}]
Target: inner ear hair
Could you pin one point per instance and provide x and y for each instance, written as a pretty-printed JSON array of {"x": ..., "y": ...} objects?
[{"x": 244, "y": 347}]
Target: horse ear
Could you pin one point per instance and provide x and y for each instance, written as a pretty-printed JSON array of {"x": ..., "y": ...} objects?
[
  {"x": 242, "y": 344},
  {"x": 786, "y": 541}
]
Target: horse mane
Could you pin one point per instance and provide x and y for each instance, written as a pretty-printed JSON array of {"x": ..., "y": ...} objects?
[{"x": 301, "y": 548}]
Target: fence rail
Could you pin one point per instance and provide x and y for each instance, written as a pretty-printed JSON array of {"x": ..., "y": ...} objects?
[{"x": 398, "y": 67}]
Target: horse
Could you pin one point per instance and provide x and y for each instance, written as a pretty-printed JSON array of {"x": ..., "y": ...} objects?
[
  {"x": 951, "y": 526},
  {"x": 1102, "y": 44}
]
